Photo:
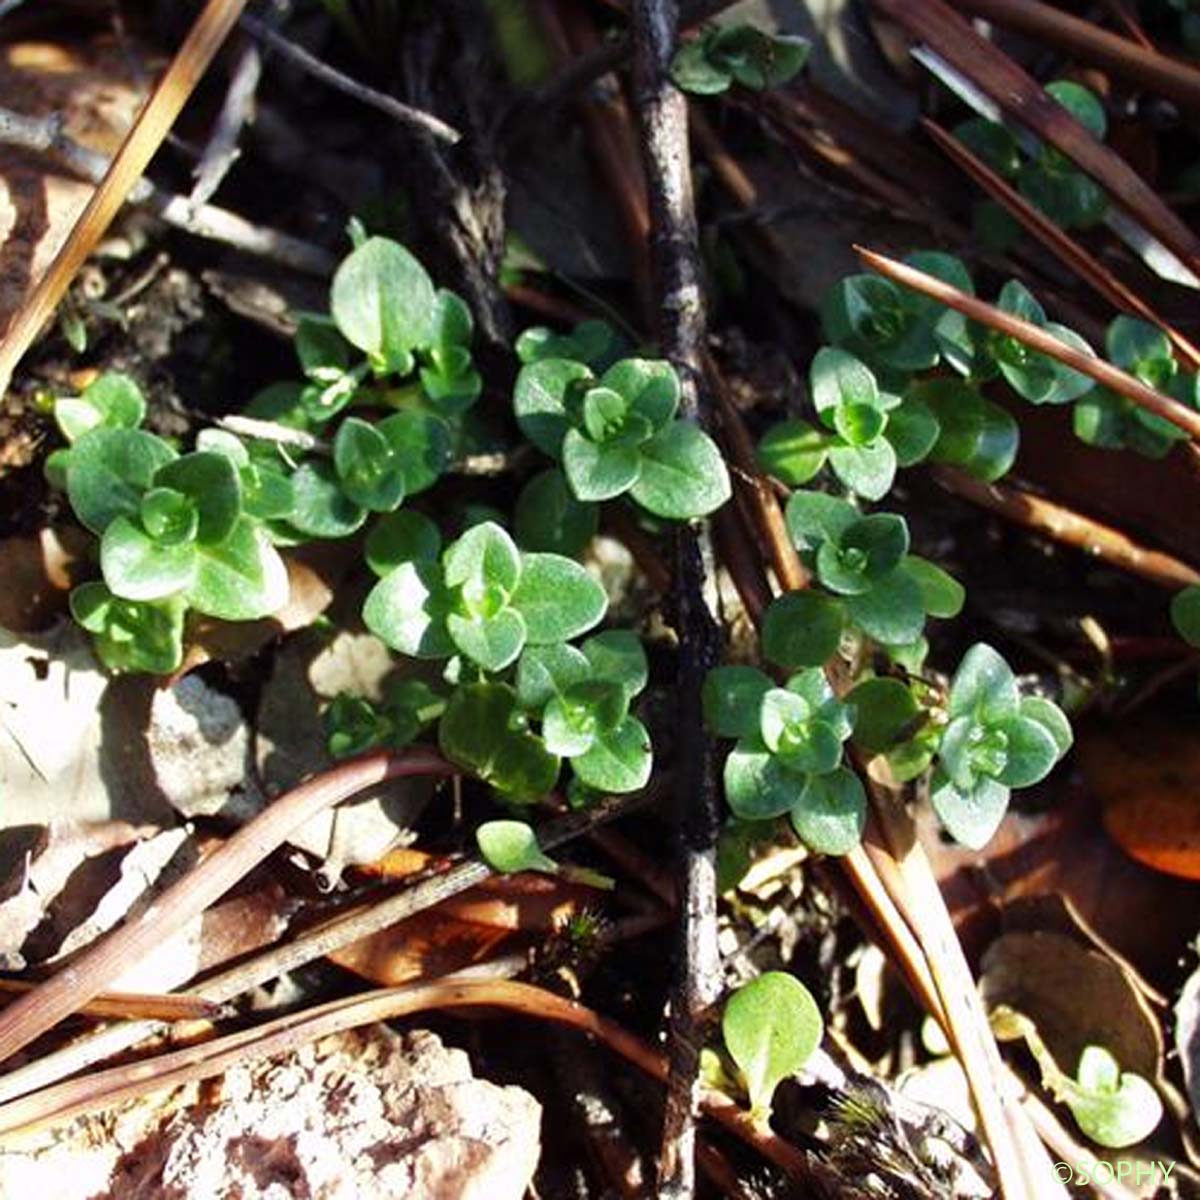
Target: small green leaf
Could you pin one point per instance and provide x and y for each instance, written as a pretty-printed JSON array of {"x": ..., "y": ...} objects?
[
  {"x": 108, "y": 472},
  {"x": 384, "y": 303},
  {"x": 130, "y": 635},
  {"x": 1084, "y": 105},
  {"x": 830, "y": 813},
  {"x": 816, "y": 517},
  {"x": 886, "y": 710},
  {"x": 408, "y": 608},
  {"x": 891, "y": 612},
  {"x": 753, "y": 57},
  {"x": 599, "y": 470},
  {"x": 732, "y": 699},
  {"x": 771, "y": 1028},
  {"x": 549, "y": 518},
  {"x": 616, "y": 656},
  {"x": 136, "y": 567},
  {"x": 1185, "y": 614},
  {"x": 322, "y": 509},
  {"x": 838, "y": 379},
  {"x": 168, "y": 516},
  {"x": 757, "y": 785},
  {"x": 650, "y": 386},
  {"x": 869, "y": 470},
  {"x": 421, "y": 444},
  {"x": 1051, "y": 718},
  {"x": 241, "y": 578},
  {"x": 912, "y": 430},
  {"x": 993, "y": 143},
  {"x": 213, "y": 484},
  {"x": 802, "y": 629},
  {"x": 793, "y": 451},
  {"x": 480, "y": 731},
  {"x": 984, "y": 686},
  {"x": 369, "y": 473},
  {"x": 802, "y": 742},
  {"x": 539, "y": 401},
  {"x": 547, "y": 671},
  {"x": 619, "y": 761},
  {"x": 401, "y": 537},
  {"x": 484, "y": 555},
  {"x": 682, "y": 474},
  {"x": 557, "y": 598},
  {"x": 112, "y": 401},
  {"x": 574, "y": 719},
  {"x": 969, "y": 817},
  {"x": 510, "y": 846},
  {"x": 941, "y": 594},
  {"x": 692, "y": 71},
  {"x": 493, "y": 641},
  {"x": 1112, "y": 1107},
  {"x": 1030, "y": 754}
]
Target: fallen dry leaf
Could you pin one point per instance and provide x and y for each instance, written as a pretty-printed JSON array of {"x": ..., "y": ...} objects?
[
  {"x": 1147, "y": 775},
  {"x": 72, "y": 740}
]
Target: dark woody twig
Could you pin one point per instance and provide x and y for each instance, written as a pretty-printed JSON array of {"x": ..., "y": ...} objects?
[
  {"x": 405, "y": 114},
  {"x": 680, "y": 306}
]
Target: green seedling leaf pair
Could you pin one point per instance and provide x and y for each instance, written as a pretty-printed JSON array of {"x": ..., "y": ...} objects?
[
  {"x": 618, "y": 434},
  {"x": 511, "y": 846},
  {"x": 1103, "y": 418},
  {"x": 483, "y": 599},
  {"x": 1113, "y": 1108},
  {"x": 737, "y": 53},
  {"x": 173, "y": 526},
  {"x": 788, "y": 756},
  {"x": 353, "y": 724},
  {"x": 1048, "y": 179},
  {"x": 771, "y": 1027},
  {"x": 864, "y": 561},
  {"x": 995, "y": 740}
]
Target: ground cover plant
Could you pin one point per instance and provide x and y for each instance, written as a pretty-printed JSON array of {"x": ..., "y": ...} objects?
[{"x": 713, "y": 527}]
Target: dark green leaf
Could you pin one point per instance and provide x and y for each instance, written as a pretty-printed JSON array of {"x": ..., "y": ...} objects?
[
  {"x": 545, "y": 671},
  {"x": 138, "y": 568},
  {"x": 322, "y": 508},
  {"x": 492, "y": 641},
  {"x": 241, "y": 578},
  {"x": 480, "y": 731},
  {"x": 802, "y": 629},
  {"x": 885, "y": 712},
  {"x": 213, "y": 484},
  {"x": 421, "y": 443},
  {"x": 650, "y": 386},
  {"x": 401, "y": 537},
  {"x": 733, "y": 699},
  {"x": 549, "y": 518},
  {"x": 108, "y": 472},
  {"x": 830, "y": 813},
  {"x": 539, "y": 401},
  {"x": 682, "y": 474},
  {"x": 1030, "y": 754},
  {"x": 368, "y": 471},
  {"x": 891, "y": 612},
  {"x": 941, "y": 594},
  {"x": 815, "y": 517},
  {"x": 1051, "y": 718},
  {"x": 616, "y": 656},
  {"x": 869, "y": 470},
  {"x": 558, "y": 599},
  {"x": 408, "y": 608}
]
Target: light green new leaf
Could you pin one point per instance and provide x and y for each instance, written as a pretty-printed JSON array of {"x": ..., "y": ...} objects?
[{"x": 771, "y": 1028}]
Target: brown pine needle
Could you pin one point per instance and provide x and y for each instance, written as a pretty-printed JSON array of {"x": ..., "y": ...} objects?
[
  {"x": 139, "y": 147},
  {"x": 1058, "y": 242},
  {"x": 1035, "y": 338}
]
